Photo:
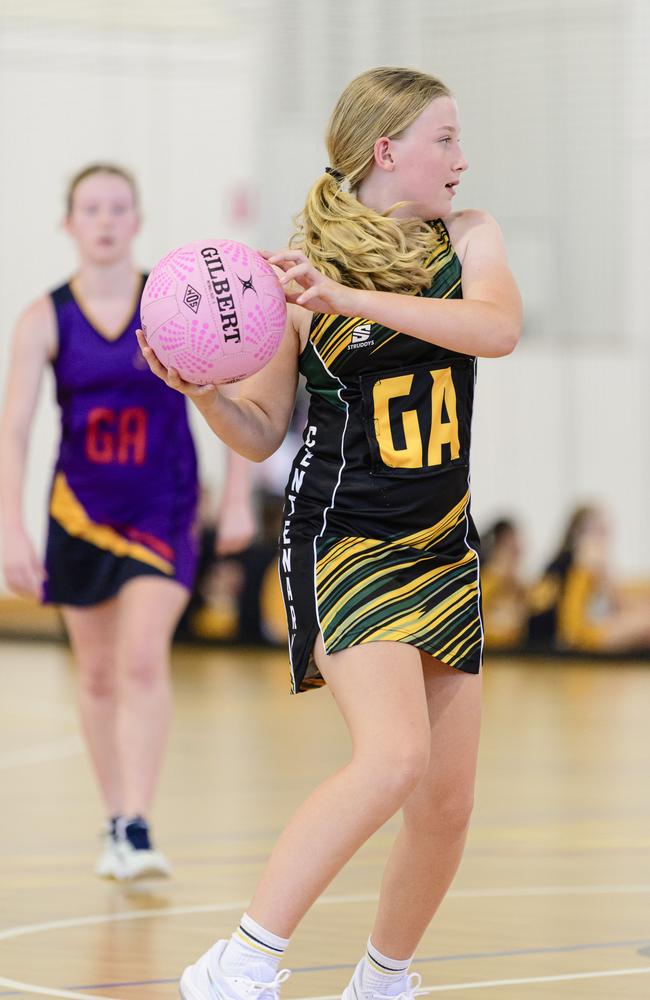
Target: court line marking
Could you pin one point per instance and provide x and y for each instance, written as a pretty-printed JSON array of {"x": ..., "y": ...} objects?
[
  {"x": 475, "y": 985},
  {"x": 484, "y": 984},
  {"x": 345, "y": 966},
  {"x": 448, "y": 988},
  {"x": 13, "y": 932},
  {"x": 45, "y": 991},
  {"x": 177, "y": 911}
]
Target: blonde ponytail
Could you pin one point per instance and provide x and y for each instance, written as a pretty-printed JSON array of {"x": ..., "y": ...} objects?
[{"x": 343, "y": 238}]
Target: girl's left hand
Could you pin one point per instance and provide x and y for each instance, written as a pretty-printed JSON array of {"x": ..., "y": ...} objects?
[
  {"x": 170, "y": 376},
  {"x": 320, "y": 294}
]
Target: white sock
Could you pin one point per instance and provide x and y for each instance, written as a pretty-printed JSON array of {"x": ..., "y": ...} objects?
[
  {"x": 381, "y": 974},
  {"x": 253, "y": 952}
]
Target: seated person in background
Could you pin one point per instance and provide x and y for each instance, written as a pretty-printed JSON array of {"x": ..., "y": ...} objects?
[
  {"x": 223, "y": 535},
  {"x": 505, "y": 609},
  {"x": 576, "y": 605},
  {"x": 237, "y": 596}
]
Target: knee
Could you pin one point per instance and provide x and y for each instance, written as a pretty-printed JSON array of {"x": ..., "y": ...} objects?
[
  {"x": 143, "y": 667},
  {"x": 447, "y": 812},
  {"x": 97, "y": 675},
  {"x": 455, "y": 813},
  {"x": 399, "y": 768}
]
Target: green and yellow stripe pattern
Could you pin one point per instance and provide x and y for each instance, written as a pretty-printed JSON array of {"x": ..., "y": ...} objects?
[
  {"x": 331, "y": 334},
  {"x": 400, "y": 589}
]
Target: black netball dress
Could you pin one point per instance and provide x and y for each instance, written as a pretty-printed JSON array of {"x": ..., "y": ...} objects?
[{"x": 377, "y": 539}]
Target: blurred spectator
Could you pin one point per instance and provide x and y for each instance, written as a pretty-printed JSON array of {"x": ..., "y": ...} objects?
[
  {"x": 505, "y": 610},
  {"x": 237, "y": 596},
  {"x": 578, "y": 605}
]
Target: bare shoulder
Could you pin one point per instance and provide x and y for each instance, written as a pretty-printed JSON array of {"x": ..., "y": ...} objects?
[
  {"x": 300, "y": 319},
  {"x": 472, "y": 227},
  {"x": 37, "y": 328}
]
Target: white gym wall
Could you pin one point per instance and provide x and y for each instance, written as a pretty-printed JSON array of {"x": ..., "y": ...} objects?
[{"x": 220, "y": 107}]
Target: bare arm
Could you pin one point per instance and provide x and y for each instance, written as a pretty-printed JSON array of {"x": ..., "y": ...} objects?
[
  {"x": 255, "y": 423},
  {"x": 34, "y": 345},
  {"x": 236, "y": 520},
  {"x": 485, "y": 322}
]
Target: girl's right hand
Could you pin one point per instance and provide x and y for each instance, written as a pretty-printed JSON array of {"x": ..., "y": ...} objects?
[
  {"x": 170, "y": 376},
  {"x": 23, "y": 570}
]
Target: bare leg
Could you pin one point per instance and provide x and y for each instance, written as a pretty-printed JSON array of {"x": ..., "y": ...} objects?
[
  {"x": 379, "y": 689},
  {"x": 627, "y": 629},
  {"x": 149, "y": 608},
  {"x": 92, "y": 636},
  {"x": 430, "y": 844}
]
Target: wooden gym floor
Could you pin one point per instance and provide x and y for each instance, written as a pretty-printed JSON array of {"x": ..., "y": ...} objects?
[{"x": 551, "y": 901}]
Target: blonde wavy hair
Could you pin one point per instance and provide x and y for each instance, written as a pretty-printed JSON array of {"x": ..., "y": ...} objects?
[{"x": 343, "y": 238}]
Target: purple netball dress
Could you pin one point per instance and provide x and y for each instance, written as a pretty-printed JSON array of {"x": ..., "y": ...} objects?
[{"x": 124, "y": 492}]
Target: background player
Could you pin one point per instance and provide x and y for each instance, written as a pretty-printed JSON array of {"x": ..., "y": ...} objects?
[
  {"x": 120, "y": 550},
  {"x": 378, "y": 547},
  {"x": 578, "y": 604}
]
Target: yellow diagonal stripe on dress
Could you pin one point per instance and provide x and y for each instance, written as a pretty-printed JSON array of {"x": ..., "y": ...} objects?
[
  {"x": 368, "y": 578},
  {"x": 345, "y": 547},
  {"x": 424, "y": 538},
  {"x": 70, "y": 514},
  {"x": 450, "y": 290},
  {"x": 411, "y": 619},
  {"x": 383, "y": 343},
  {"x": 322, "y": 326},
  {"x": 340, "y": 339},
  {"x": 442, "y": 253},
  {"x": 342, "y": 558}
]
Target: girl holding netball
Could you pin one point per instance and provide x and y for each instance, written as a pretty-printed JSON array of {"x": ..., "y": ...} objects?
[
  {"x": 120, "y": 554},
  {"x": 398, "y": 295}
]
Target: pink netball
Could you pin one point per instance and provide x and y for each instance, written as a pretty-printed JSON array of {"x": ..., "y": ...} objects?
[{"x": 215, "y": 311}]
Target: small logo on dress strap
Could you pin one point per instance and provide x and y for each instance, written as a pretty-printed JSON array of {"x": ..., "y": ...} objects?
[{"x": 361, "y": 336}]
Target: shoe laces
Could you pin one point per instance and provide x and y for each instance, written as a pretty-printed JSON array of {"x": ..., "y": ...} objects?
[
  {"x": 271, "y": 990},
  {"x": 413, "y": 984}
]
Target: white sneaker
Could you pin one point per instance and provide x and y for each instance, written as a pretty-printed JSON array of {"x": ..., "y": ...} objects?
[
  {"x": 109, "y": 864},
  {"x": 205, "y": 981},
  {"x": 137, "y": 856},
  {"x": 355, "y": 991},
  {"x": 146, "y": 863}
]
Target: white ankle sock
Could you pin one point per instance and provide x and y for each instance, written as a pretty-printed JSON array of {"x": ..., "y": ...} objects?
[
  {"x": 381, "y": 974},
  {"x": 253, "y": 952}
]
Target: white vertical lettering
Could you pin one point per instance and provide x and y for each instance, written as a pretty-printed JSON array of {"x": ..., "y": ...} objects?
[{"x": 298, "y": 477}]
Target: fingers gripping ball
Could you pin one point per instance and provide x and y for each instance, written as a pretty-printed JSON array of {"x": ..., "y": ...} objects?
[{"x": 214, "y": 311}]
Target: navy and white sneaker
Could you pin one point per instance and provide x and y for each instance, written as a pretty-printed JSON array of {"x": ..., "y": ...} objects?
[
  {"x": 109, "y": 864},
  {"x": 205, "y": 981},
  {"x": 354, "y": 990},
  {"x": 137, "y": 856}
]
